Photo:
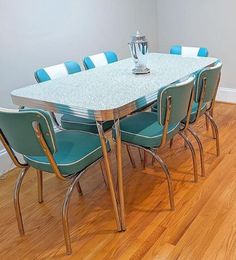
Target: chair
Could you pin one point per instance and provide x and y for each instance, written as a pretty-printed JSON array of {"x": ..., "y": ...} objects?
[
  {"x": 101, "y": 59},
  {"x": 149, "y": 131},
  {"x": 189, "y": 51},
  {"x": 186, "y": 52},
  {"x": 206, "y": 88},
  {"x": 57, "y": 71},
  {"x": 67, "y": 154}
]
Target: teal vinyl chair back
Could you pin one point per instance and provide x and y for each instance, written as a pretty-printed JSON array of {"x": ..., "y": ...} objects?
[
  {"x": 17, "y": 128},
  {"x": 207, "y": 83},
  {"x": 176, "y": 99},
  {"x": 57, "y": 71},
  {"x": 189, "y": 51},
  {"x": 101, "y": 59}
]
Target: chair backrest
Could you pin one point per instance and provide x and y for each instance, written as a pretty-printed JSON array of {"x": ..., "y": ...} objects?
[
  {"x": 207, "y": 83},
  {"x": 101, "y": 59},
  {"x": 189, "y": 51},
  {"x": 17, "y": 128},
  {"x": 179, "y": 97},
  {"x": 57, "y": 71}
]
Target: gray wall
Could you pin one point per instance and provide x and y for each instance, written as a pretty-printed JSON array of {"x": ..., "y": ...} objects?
[
  {"x": 208, "y": 23},
  {"x": 35, "y": 34}
]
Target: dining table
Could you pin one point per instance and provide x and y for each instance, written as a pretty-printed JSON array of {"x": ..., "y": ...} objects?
[{"x": 110, "y": 92}]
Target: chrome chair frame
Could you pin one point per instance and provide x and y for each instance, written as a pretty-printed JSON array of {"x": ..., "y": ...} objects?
[
  {"x": 183, "y": 134},
  {"x": 153, "y": 151},
  {"x": 74, "y": 179},
  {"x": 209, "y": 115}
]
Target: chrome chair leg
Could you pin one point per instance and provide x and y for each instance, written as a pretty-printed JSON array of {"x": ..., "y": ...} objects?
[
  {"x": 130, "y": 156},
  {"x": 103, "y": 175},
  {"x": 153, "y": 159},
  {"x": 120, "y": 173},
  {"x": 168, "y": 177},
  {"x": 214, "y": 125},
  {"x": 207, "y": 123},
  {"x": 17, "y": 200},
  {"x": 144, "y": 160},
  {"x": 213, "y": 131},
  {"x": 140, "y": 155},
  {"x": 65, "y": 210},
  {"x": 40, "y": 186},
  {"x": 188, "y": 143},
  {"x": 201, "y": 151},
  {"x": 79, "y": 189}
]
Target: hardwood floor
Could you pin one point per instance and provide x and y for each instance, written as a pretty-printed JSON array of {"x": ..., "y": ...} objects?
[{"x": 203, "y": 226}]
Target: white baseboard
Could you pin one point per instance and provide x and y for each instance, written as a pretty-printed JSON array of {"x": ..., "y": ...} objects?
[
  {"x": 6, "y": 163},
  {"x": 226, "y": 95}
]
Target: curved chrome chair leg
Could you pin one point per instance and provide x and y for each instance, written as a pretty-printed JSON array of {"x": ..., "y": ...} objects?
[
  {"x": 214, "y": 125},
  {"x": 130, "y": 156},
  {"x": 213, "y": 130},
  {"x": 65, "y": 210},
  {"x": 17, "y": 200},
  {"x": 201, "y": 151},
  {"x": 153, "y": 158},
  {"x": 79, "y": 189},
  {"x": 40, "y": 185},
  {"x": 188, "y": 143},
  {"x": 168, "y": 177}
]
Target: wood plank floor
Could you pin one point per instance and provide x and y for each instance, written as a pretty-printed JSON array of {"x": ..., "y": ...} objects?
[{"x": 203, "y": 226}]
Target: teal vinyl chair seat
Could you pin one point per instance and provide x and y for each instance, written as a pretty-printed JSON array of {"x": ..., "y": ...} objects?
[
  {"x": 83, "y": 124},
  {"x": 144, "y": 130},
  {"x": 75, "y": 152}
]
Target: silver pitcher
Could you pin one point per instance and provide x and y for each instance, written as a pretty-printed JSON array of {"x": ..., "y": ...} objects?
[{"x": 139, "y": 52}]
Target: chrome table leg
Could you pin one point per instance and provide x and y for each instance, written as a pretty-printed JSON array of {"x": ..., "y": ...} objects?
[
  {"x": 109, "y": 175},
  {"x": 120, "y": 173}
]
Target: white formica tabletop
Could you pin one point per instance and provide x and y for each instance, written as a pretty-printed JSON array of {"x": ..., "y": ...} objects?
[{"x": 109, "y": 91}]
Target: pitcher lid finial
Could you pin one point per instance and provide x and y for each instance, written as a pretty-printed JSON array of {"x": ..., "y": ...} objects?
[{"x": 138, "y": 37}]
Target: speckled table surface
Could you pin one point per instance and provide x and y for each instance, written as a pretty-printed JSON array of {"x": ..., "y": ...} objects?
[{"x": 110, "y": 90}]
